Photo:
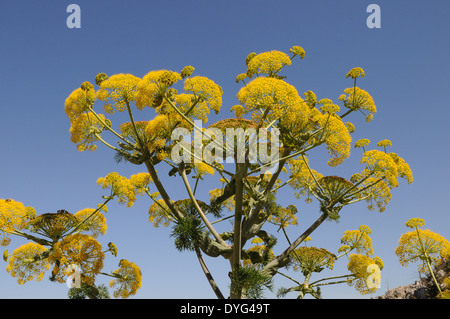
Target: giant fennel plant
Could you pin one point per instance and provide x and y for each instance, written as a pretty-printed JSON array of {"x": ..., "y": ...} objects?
[{"x": 248, "y": 183}]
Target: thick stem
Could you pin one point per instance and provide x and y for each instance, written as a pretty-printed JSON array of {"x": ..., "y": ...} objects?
[
  {"x": 281, "y": 260},
  {"x": 162, "y": 190},
  {"x": 208, "y": 275},
  {"x": 200, "y": 211}
]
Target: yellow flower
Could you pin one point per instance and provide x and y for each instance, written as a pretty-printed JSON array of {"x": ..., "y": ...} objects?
[
  {"x": 13, "y": 216},
  {"x": 328, "y": 106},
  {"x": 301, "y": 179},
  {"x": 267, "y": 63},
  {"x": 422, "y": 245},
  {"x": 78, "y": 102},
  {"x": 241, "y": 77},
  {"x": 312, "y": 259},
  {"x": 381, "y": 165},
  {"x": 127, "y": 131},
  {"x": 358, "y": 265},
  {"x": 81, "y": 250},
  {"x": 276, "y": 95},
  {"x": 298, "y": 50},
  {"x": 54, "y": 225},
  {"x": 94, "y": 225},
  {"x": 377, "y": 193},
  {"x": 150, "y": 90},
  {"x": 187, "y": 71},
  {"x": 117, "y": 91},
  {"x": 128, "y": 279},
  {"x": 85, "y": 131},
  {"x": 120, "y": 186},
  {"x": 358, "y": 99},
  {"x": 333, "y": 187},
  {"x": 140, "y": 182},
  {"x": 355, "y": 72},
  {"x": 404, "y": 171},
  {"x": 362, "y": 143},
  {"x": 350, "y": 127},
  {"x": 284, "y": 216},
  {"x": 99, "y": 78},
  {"x": 415, "y": 223},
  {"x": 384, "y": 143},
  {"x": 204, "y": 169},
  {"x": 239, "y": 110},
  {"x": 210, "y": 92},
  {"x": 26, "y": 263},
  {"x": 159, "y": 214},
  {"x": 359, "y": 240},
  {"x": 336, "y": 136},
  {"x": 310, "y": 98}
]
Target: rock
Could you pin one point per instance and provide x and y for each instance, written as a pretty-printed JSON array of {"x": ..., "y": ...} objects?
[{"x": 425, "y": 288}]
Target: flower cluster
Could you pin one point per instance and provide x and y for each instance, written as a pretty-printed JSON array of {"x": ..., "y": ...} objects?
[
  {"x": 422, "y": 245},
  {"x": 358, "y": 265},
  {"x": 268, "y": 93},
  {"x": 81, "y": 250},
  {"x": 303, "y": 179},
  {"x": 13, "y": 216},
  {"x": 357, "y": 99},
  {"x": 128, "y": 279},
  {"x": 117, "y": 91},
  {"x": 93, "y": 222},
  {"x": 79, "y": 101},
  {"x": 151, "y": 89},
  {"x": 120, "y": 187},
  {"x": 268, "y": 63},
  {"x": 85, "y": 131},
  {"x": 355, "y": 73},
  {"x": 158, "y": 213},
  {"x": 336, "y": 136},
  {"x": 24, "y": 266},
  {"x": 357, "y": 240},
  {"x": 209, "y": 92},
  {"x": 312, "y": 259}
]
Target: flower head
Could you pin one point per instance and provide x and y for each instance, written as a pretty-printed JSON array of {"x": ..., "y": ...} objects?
[
  {"x": 128, "y": 279},
  {"x": 81, "y": 250},
  {"x": 117, "y": 91},
  {"x": 359, "y": 266},
  {"x": 415, "y": 223},
  {"x": 26, "y": 263},
  {"x": 268, "y": 63},
  {"x": 13, "y": 216},
  {"x": 355, "y": 72},
  {"x": 358, "y": 99},
  {"x": 312, "y": 259},
  {"x": 358, "y": 240},
  {"x": 120, "y": 187},
  {"x": 423, "y": 246},
  {"x": 93, "y": 224},
  {"x": 85, "y": 131},
  {"x": 187, "y": 71},
  {"x": 79, "y": 102},
  {"x": 297, "y": 50},
  {"x": 210, "y": 92}
]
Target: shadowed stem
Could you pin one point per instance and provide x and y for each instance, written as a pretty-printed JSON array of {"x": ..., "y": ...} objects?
[{"x": 208, "y": 275}]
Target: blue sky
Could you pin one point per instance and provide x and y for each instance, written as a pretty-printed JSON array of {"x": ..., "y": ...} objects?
[{"x": 407, "y": 73}]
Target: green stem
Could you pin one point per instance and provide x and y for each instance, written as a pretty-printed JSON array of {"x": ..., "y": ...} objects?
[
  {"x": 200, "y": 211},
  {"x": 90, "y": 215},
  {"x": 427, "y": 259},
  {"x": 109, "y": 128}
]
